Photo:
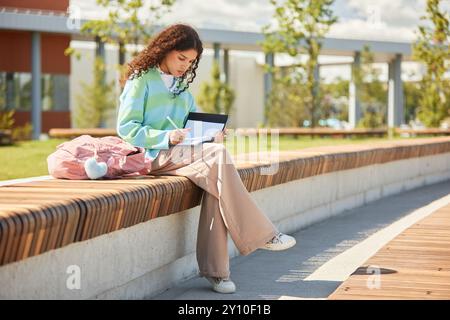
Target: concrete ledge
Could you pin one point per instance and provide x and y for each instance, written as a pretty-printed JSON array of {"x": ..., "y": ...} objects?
[{"x": 147, "y": 258}]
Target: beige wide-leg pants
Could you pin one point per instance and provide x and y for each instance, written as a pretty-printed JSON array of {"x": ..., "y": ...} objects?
[{"x": 226, "y": 204}]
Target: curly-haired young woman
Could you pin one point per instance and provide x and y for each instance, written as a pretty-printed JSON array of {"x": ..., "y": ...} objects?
[{"x": 156, "y": 86}]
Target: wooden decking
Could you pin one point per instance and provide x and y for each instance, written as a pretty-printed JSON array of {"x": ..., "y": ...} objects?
[{"x": 414, "y": 265}]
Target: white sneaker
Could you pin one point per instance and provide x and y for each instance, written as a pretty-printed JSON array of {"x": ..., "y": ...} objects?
[
  {"x": 222, "y": 285},
  {"x": 280, "y": 242}
]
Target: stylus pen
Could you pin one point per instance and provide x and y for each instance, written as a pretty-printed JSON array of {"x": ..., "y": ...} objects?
[{"x": 173, "y": 123}]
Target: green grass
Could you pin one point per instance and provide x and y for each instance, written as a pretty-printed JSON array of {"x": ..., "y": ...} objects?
[
  {"x": 26, "y": 158},
  {"x": 29, "y": 158}
]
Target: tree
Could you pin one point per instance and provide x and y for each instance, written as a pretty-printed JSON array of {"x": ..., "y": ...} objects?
[
  {"x": 336, "y": 96},
  {"x": 93, "y": 106},
  {"x": 412, "y": 96},
  {"x": 300, "y": 26},
  {"x": 124, "y": 26},
  {"x": 216, "y": 96},
  {"x": 433, "y": 49},
  {"x": 285, "y": 103}
]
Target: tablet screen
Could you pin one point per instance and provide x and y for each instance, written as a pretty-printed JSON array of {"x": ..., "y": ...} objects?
[
  {"x": 204, "y": 124},
  {"x": 203, "y": 128}
]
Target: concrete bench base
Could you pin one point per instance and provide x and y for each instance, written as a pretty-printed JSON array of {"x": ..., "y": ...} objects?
[{"x": 145, "y": 259}]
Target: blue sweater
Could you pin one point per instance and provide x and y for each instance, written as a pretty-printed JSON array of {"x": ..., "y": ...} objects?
[{"x": 145, "y": 103}]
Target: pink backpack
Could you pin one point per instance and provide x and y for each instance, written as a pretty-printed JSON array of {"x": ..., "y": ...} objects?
[{"x": 86, "y": 157}]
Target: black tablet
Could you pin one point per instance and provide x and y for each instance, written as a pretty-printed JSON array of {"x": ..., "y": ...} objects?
[
  {"x": 204, "y": 126},
  {"x": 215, "y": 120}
]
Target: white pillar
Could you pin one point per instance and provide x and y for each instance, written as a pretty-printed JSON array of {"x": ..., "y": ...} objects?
[
  {"x": 100, "y": 53},
  {"x": 226, "y": 65},
  {"x": 216, "y": 47},
  {"x": 354, "y": 107},
  {"x": 395, "y": 93},
  {"x": 36, "y": 96},
  {"x": 316, "y": 74},
  {"x": 268, "y": 78}
]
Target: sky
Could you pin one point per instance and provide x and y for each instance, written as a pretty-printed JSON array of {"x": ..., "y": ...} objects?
[
  {"x": 390, "y": 20},
  {"x": 385, "y": 20}
]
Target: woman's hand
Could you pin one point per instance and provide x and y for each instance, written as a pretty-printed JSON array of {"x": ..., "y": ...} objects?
[
  {"x": 219, "y": 137},
  {"x": 178, "y": 135}
]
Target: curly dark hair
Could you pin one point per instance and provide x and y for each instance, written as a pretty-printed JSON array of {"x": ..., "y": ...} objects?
[{"x": 178, "y": 37}]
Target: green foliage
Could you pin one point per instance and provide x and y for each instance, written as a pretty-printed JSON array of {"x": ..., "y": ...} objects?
[
  {"x": 335, "y": 99},
  {"x": 300, "y": 26},
  {"x": 22, "y": 133},
  {"x": 6, "y": 119},
  {"x": 371, "y": 119},
  {"x": 18, "y": 132},
  {"x": 97, "y": 99},
  {"x": 286, "y": 102},
  {"x": 71, "y": 51},
  {"x": 372, "y": 91},
  {"x": 125, "y": 24},
  {"x": 433, "y": 49},
  {"x": 6, "y": 116},
  {"x": 216, "y": 96},
  {"x": 412, "y": 94}
]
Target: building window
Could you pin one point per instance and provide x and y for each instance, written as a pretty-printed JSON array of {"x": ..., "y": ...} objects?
[{"x": 15, "y": 91}]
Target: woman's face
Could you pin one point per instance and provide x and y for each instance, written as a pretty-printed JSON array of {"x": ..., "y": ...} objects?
[{"x": 178, "y": 62}]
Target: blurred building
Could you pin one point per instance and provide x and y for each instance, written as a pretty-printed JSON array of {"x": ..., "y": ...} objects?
[
  {"x": 16, "y": 67},
  {"x": 42, "y": 84}
]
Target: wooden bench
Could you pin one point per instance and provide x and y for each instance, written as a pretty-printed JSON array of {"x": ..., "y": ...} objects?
[
  {"x": 39, "y": 216},
  {"x": 70, "y": 133},
  {"x": 414, "y": 265},
  {"x": 342, "y": 133},
  {"x": 423, "y": 132},
  {"x": 320, "y": 132},
  {"x": 5, "y": 137}
]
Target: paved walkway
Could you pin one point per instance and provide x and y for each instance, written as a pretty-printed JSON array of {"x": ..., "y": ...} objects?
[{"x": 326, "y": 253}]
